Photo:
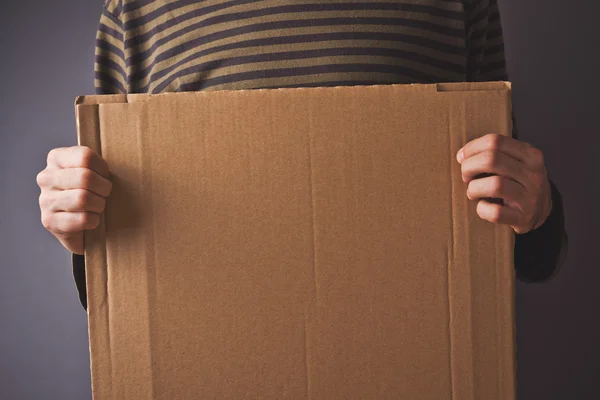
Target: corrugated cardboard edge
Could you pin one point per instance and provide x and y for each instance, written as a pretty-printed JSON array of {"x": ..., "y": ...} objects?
[
  {"x": 439, "y": 87},
  {"x": 473, "y": 86},
  {"x": 88, "y": 134},
  {"x": 506, "y": 283}
]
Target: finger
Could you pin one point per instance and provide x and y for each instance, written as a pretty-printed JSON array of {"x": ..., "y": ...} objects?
[
  {"x": 494, "y": 163},
  {"x": 78, "y": 157},
  {"x": 495, "y": 142},
  {"x": 63, "y": 223},
  {"x": 76, "y": 200},
  {"x": 81, "y": 178},
  {"x": 498, "y": 214},
  {"x": 497, "y": 187}
]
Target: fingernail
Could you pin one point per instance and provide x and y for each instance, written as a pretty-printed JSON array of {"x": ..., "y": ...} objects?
[{"x": 460, "y": 156}]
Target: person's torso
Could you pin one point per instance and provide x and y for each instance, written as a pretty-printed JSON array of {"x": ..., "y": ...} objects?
[{"x": 184, "y": 45}]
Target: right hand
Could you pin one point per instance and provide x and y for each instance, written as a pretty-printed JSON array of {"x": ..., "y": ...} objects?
[{"x": 74, "y": 186}]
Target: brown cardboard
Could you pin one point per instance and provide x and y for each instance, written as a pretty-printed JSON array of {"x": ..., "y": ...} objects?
[{"x": 308, "y": 243}]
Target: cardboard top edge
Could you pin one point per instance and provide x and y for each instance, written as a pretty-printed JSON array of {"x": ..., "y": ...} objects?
[
  {"x": 474, "y": 86},
  {"x": 437, "y": 87},
  {"x": 100, "y": 99}
]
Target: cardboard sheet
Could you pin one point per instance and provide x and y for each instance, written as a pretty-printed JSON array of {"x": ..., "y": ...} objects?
[{"x": 307, "y": 243}]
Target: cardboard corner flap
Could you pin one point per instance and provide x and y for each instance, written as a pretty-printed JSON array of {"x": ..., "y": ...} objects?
[{"x": 298, "y": 243}]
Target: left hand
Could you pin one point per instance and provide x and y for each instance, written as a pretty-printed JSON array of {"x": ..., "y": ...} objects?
[{"x": 500, "y": 167}]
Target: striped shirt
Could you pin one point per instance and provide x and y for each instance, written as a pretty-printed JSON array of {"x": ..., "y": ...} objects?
[
  {"x": 182, "y": 45},
  {"x": 145, "y": 46}
]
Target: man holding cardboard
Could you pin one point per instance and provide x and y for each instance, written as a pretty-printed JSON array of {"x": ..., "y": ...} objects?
[
  {"x": 161, "y": 46},
  {"x": 296, "y": 269}
]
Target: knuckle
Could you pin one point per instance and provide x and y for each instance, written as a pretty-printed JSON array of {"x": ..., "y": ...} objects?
[
  {"x": 42, "y": 178},
  {"x": 465, "y": 170},
  {"x": 39, "y": 178},
  {"x": 85, "y": 178},
  {"x": 494, "y": 214},
  {"x": 81, "y": 198},
  {"x": 470, "y": 192},
  {"x": 44, "y": 201},
  {"x": 498, "y": 185},
  {"x": 493, "y": 141},
  {"x": 83, "y": 220},
  {"x": 491, "y": 158},
  {"x": 488, "y": 212},
  {"x": 85, "y": 156},
  {"x": 51, "y": 158},
  {"x": 536, "y": 155},
  {"x": 47, "y": 221},
  {"x": 72, "y": 227},
  {"x": 90, "y": 220}
]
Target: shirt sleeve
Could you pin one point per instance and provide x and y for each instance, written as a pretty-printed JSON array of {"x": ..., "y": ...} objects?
[
  {"x": 109, "y": 78},
  {"x": 540, "y": 253}
]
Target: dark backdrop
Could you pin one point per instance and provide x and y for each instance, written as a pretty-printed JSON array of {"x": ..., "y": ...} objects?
[{"x": 46, "y": 55}]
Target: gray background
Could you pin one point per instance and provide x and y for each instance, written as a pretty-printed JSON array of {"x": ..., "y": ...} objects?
[{"x": 46, "y": 60}]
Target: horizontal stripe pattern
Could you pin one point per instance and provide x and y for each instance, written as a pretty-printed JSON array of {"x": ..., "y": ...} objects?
[
  {"x": 147, "y": 46},
  {"x": 283, "y": 9},
  {"x": 408, "y": 76},
  {"x": 416, "y": 60}
]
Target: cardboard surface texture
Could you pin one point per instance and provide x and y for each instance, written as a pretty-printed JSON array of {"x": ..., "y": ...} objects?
[{"x": 306, "y": 243}]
